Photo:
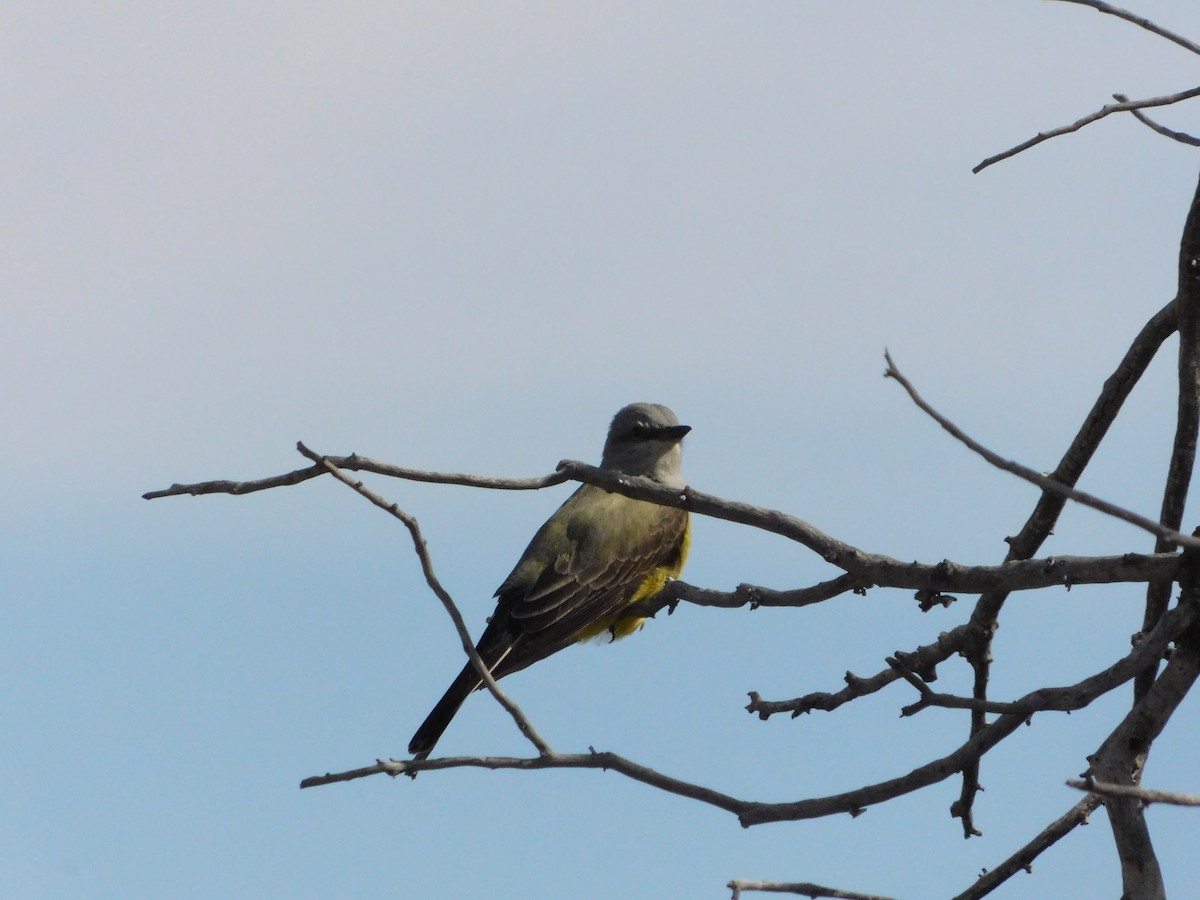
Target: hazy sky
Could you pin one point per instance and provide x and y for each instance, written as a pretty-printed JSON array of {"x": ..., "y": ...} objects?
[{"x": 460, "y": 236}]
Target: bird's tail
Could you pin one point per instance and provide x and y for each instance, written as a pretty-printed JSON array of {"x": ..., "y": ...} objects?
[{"x": 435, "y": 723}]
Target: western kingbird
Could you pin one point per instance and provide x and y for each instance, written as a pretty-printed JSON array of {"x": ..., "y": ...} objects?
[{"x": 596, "y": 555}]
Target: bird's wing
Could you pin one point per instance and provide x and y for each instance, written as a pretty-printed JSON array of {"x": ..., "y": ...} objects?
[{"x": 583, "y": 566}]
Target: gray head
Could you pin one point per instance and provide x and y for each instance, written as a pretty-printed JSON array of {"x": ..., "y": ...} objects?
[{"x": 644, "y": 439}]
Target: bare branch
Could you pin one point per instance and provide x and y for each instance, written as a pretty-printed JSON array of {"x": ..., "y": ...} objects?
[
  {"x": 1187, "y": 415},
  {"x": 1106, "y": 110},
  {"x": 1122, "y": 756},
  {"x": 744, "y": 595},
  {"x": 948, "y": 701},
  {"x": 241, "y": 487},
  {"x": 856, "y": 801},
  {"x": 435, "y": 585},
  {"x": 853, "y": 802},
  {"x": 985, "y": 618},
  {"x": 357, "y": 463},
  {"x": 591, "y": 760},
  {"x": 1180, "y": 136},
  {"x": 924, "y": 660},
  {"x": 1140, "y": 21},
  {"x": 1022, "y": 860},
  {"x": 1073, "y": 697},
  {"x": 1183, "y": 453},
  {"x": 802, "y": 888},
  {"x": 879, "y": 569},
  {"x": 1136, "y": 792},
  {"x": 839, "y": 553},
  {"x": 934, "y": 580},
  {"x": 978, "y": 655},
  {"x": 1045, "y": 482},
  {"x": 868, "y": 568}
]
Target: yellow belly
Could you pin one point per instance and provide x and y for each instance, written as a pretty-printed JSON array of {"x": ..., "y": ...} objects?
[{"x": 617, "y": 626}]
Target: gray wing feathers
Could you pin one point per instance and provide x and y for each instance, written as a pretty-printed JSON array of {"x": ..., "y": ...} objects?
[{"x": 596, "y": 574}]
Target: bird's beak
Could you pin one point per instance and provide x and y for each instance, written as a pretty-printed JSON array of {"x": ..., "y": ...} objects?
[{"x": 673, "y": 433}]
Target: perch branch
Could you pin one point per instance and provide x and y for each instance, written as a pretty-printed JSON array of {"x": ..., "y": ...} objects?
[
  {"x": 356, "y": 463},
  {"x": 1019, "y": 575}
]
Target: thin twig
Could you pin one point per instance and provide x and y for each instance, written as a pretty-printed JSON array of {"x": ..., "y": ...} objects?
[
  {"x": 357, "y": 463},
  {"x": 750, "y": 595},
  {"x": 1107, "y": 110},
  {"x": 948, "y": 701},
  {"x": 1140, "y": 21},
  {"x": 523, "y": 723},
  {"x": 1136, "y": 792},
  {"x": 924, "y": 660},
  {"x": 1181, "y": 136},
  {"x": 1045, "y": 482}
]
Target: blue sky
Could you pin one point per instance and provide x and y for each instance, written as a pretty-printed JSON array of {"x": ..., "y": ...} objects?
[{"x": 460, "y": 236}]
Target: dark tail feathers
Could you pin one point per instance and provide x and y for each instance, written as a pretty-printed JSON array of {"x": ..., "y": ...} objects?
[{"x": 435, "y": 723}]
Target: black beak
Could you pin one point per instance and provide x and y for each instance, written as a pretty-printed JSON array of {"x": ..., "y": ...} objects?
[{"x": 672, "y": 433}]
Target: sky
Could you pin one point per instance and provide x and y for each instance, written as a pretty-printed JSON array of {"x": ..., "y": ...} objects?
[{"x": 459, "y": 236}]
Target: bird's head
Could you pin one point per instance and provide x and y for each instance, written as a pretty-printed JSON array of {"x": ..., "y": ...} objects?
[{"x": 644, "y": 439}]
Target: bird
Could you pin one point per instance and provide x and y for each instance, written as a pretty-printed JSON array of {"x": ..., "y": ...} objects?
[{"x": 597, "y": 554}]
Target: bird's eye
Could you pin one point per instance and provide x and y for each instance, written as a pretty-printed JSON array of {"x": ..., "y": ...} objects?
[{"x": 639, "y": 431}]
